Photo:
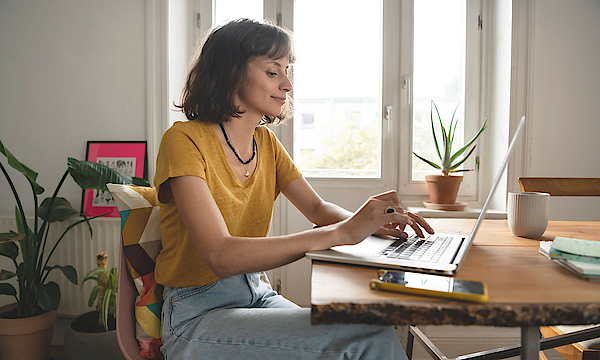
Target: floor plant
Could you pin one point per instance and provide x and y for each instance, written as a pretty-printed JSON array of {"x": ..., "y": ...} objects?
[{"x": 35, "y": 293}]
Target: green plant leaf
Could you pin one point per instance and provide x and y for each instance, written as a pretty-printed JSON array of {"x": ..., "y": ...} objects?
[
  {"x": 47, "y": 295},
  {"x": 93, "y": 295},
  {"x": 68, "y": 270},
  {"x": 7, "y": 289},
  {"x": 91, "y": 175},
  {"x": 113, "y": 279},
  {"x": 27, "y": 242},
  {"x": 9, "y": 249},
  {"x": 61, "y": 210},
  {"x": 26, "y": 171},
  {"x": 427, "y": 161},
  {"x": 5, "y": 274},
  {"x": 140, "y": 182},
  {"x": 462, "y": 150},
  {"x": 10, "y": 236},
  {"x": 437, "y": 148},
  {"x": 106, "y": 307},
  {"x": 463, "y": 159},
  {"x": 451, "y": 129},
  {"x": 91, "y": 275},
  {"x": 97, "y": 280}
]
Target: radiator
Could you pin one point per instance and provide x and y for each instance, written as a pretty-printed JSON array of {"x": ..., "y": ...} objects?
[{"x": 76, "y": 249}]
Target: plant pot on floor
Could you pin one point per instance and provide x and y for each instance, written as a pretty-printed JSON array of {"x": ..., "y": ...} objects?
[
  {"x": 25, "y": 338},
  {"x": 85, "y": 340},
  {"x": 443, "y": 191}
]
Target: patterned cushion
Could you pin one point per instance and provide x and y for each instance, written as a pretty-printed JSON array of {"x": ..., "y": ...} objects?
[{"x": 140, "y": 233}]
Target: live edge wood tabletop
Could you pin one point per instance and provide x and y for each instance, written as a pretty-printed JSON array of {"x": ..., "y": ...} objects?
[{"x": 525, "y": 288}]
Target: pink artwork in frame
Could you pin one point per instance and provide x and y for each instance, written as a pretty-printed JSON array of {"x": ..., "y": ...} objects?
[{"x": 129, "y": 158}]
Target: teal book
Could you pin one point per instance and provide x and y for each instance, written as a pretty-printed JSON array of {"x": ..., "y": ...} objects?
[{"x": 575, "y": 250}]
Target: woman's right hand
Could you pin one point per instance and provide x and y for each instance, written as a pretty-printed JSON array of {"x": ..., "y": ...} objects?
[{"x": 375, "y": 217}]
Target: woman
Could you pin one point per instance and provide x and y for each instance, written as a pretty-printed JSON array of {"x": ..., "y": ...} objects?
[{"x": 218, "y": 176}]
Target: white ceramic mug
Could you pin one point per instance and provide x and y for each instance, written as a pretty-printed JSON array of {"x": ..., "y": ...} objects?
[{"x": 528, "y": 213}]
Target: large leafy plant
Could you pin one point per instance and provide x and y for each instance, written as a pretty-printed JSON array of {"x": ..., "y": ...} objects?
[
  {"x": 449, "y": 162},
  {"x": 35, "y": 292},
  {"x": 105, "y": 291}
]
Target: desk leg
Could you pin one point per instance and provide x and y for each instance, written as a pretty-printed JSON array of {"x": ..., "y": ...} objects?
[{"x": 530, "y": 343}]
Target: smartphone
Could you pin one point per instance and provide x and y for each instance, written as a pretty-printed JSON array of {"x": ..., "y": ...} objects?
[{"x": 430, "y": 285}]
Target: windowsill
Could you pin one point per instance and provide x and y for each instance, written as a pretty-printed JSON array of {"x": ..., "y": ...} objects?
[{"x": 464, "y": 214}]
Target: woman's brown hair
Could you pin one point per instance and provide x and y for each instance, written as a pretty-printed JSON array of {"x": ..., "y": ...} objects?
[{"x": 222, "y": 64}]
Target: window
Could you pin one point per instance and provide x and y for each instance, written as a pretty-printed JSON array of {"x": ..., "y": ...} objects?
[
  {"x": 338, "y": 78},
  {"x": 438, "y": 74},
  {"x": 364, "y": 80}
]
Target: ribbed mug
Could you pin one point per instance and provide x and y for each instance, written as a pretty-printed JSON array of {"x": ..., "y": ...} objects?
[{"x": 528, "y": 213}]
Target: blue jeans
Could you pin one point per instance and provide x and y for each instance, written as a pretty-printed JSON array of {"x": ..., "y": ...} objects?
[{"x": 241, "y": 318}]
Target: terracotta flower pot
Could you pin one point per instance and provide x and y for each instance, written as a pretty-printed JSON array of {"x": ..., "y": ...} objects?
[
  {"x": 26, "y": 338},
  {"x": 443, "y": 189}
]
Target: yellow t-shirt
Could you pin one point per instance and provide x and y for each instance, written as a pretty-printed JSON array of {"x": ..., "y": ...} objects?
[{"x": 193, "y": 148}]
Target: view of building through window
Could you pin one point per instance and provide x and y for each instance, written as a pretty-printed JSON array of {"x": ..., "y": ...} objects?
[
  {"x": 337, "y": 88},
  {"x": 337, "y": 80},
  {"x": 227, "y": 10}
]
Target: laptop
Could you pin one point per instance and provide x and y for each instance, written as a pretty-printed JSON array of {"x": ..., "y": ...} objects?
[{"x": 441, "y": 254}]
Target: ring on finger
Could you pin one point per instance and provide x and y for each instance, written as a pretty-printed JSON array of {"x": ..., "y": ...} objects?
[{"x": 390, "y": 209}]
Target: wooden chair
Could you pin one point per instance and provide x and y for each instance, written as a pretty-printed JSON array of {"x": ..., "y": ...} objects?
[
  {"x": 561, "y": 186},
  {"x": 584, "y": 350}
]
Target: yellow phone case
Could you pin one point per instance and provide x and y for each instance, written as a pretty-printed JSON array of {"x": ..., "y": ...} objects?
[{"x": 377, "y": 284}]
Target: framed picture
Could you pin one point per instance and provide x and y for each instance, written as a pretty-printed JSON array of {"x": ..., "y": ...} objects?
[{"x": 128, "y": 158}]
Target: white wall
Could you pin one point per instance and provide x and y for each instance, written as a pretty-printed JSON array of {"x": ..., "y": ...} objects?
[
  {"x": 565, "y": 101},
  {"x": 71, "y": 71}
]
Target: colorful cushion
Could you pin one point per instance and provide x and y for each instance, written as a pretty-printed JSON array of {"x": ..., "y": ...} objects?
[{"x": 140, "y": 233}]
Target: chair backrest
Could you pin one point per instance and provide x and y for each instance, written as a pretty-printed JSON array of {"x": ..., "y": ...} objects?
[
  {"x": 125, "y": 315},
  {"x": 561, "y": 186},
  {"x": 139, "y": 294}
]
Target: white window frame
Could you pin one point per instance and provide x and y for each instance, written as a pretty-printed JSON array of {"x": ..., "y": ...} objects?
[
  {"x": 474, "y": 111},
  {"x": 397, "y": 155},
  {"x": 390, "y": 97}
]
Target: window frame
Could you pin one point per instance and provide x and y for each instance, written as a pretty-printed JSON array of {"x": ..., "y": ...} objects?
[
  {"x": 473, "y": 107},
  {"x": 396, "y": 157},
  {"x": 390, "y": 95}
]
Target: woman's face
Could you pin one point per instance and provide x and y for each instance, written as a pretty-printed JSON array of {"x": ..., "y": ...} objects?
[{"x": 265, "y": 90}]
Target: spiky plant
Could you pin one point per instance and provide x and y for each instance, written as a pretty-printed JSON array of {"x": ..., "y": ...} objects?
[
  {"x": 107, "y": 284},
  {"x": 450, "y": 161}
]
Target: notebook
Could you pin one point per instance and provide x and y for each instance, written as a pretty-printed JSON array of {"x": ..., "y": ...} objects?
[
  {"x": 437, "y": 254},
  {"x": 586, "y": 270}
]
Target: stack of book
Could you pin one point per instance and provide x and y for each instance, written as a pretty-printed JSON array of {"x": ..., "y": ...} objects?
[{"x": 582, "y": 257}]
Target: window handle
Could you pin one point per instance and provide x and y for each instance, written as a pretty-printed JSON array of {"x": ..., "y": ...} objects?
[
  {"x": 388, "y": 117},
  {"x": 406, "y": 86}
]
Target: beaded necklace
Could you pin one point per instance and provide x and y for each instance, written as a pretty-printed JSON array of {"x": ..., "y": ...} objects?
[{"x": 246, "y": 174}]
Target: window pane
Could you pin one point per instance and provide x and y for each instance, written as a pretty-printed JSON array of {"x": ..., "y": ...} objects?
[
  {"x": 438, "y": 75},
  {"x": 226, "y": 10},
  {"x": 337, "y": 88}
]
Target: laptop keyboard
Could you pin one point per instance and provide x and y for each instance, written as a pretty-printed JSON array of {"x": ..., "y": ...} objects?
[{"x": 428, "y": 249}]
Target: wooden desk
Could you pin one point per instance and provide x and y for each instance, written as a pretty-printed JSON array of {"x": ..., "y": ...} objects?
[{"x": 525, "y": 289}]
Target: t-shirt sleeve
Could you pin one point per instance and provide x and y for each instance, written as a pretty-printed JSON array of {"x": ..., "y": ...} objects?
[
  {"x": 178, "y": 155},
  {"x": 287, "y": 171}
]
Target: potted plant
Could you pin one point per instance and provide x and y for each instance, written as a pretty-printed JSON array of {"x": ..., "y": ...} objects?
[
  {"x": 37, "y": 299},
  {"x": 443, "y": 189},
  {"x": 92, "y": 335}
]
